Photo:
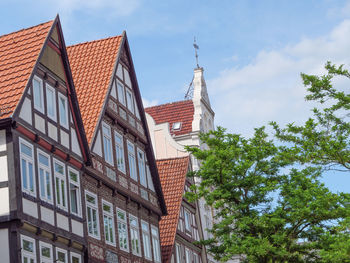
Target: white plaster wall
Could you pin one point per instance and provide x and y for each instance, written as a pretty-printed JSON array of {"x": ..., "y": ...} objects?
[
  {"x": 62, "y": 221},
  {"x": 52, "y": 131},
  {"x": 75, "y": 144},
  {"x": 3, "y": 146},
  {"x": 5, "y": 202},
  {"x": 26, "y": 111},
  {"x": 39, "y": 123},
  {"x": 30, "y": 208},
  {"x": 4, "y": 247},
  {"x": 77, "y": 228},
  {"x": 97, "y": 147},
  {"x": 64, "y": 139},
  {"x": 3, "y": 169},
  {"x": 47, "y": 215}
]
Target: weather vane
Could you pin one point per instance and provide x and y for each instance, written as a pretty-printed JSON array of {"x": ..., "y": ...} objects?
[{"x": 196, "y": 47}]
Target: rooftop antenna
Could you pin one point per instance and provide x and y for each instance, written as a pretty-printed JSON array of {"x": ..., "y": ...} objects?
[{"x": 196, "y": 47}]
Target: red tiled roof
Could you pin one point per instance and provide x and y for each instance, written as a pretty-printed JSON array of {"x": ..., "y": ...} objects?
[
  {"x": 92, "y": 65},
  {"x": 18, "y": 53},
  {"x": 172, "y": 173},
  {"x": 181, "y": 111}
]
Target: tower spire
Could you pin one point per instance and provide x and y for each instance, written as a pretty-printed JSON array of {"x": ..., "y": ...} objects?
[{"x": 196, "y": 47}]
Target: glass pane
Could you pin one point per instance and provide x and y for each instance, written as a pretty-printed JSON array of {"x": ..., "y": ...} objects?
[
  {"x": 26, "y": 150},
  {"x": 75, "y": 259},
  {"x": 89, "y": 212},
  {"x": 31, "y": 178},
  {"x": 61, "y": 256},
  {"x": 63, "y": 111},
  {"x": 121, "y": 93},
  {"x": 59, "y": 168},
  {"x": 46, "y": 252},
  {"x": 58, "y": 196},
  {"x": 37, "y": 90},
  {"x": 42, "y": 182},
  {"x": 28, "y": 245},
  {"x": 90, "y": 199},
  {"x": 43, "y": 160},
  {"x": 48, "y": 186},
  {"x": 73, "y": 176},
  {"x": 73, "y": 200},
  {"x": 63, "y": 185},
  {"x": 24, "y": 174},
  {"x": 121, "y": 215},
  {"x": 51, "y": 103},
  {"x": 106, "y": 208}
]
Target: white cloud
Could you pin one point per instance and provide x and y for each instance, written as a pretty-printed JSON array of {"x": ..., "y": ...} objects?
[
  {"x": 149, "y": 103},
  {"x": 270, "y": 87}
]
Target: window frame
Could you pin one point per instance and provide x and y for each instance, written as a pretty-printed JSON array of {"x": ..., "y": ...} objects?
[
  {"x": 78, "y": 189},
  {"x": 188, "y": 252},
  {"x": 54, "y": 116},
  {"x": 119, "y": 146},
  {"x": 76, "y": 255},
  {"x": 36, "y": 106},
  {"x": 132, "y": 164},
  {"x": 46, "y": 259},
  {"x": 65, "y": 252},
  {"x": 178, "y": 253},
  {"x": 108, "y": 138},
  {"x": 92, "y": 207},
  {"x": 142, "y": 172},
  {"x": 60, "y": 95},
  {"x": 135, "y": 230},
  {"x": 156, "y": 247},
  {"x": 60, "y": 177},
  {"x": 47, "y": 169},
  {"x": 125, "y": 223},
  {"x": 149, "y": 178},
  {"x": 111, "y": 216},
  {"x": 131, "y": 107},
  {"x": 30, "y": 255},
  {"x": 27, "y": 159},
  {"x": 146, "y": 238},
  {"x": 121, "y": 87},
  {"x": 188, "y": 220}
]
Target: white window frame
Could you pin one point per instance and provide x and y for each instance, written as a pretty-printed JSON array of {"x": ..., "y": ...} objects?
[
  {"x": 135, "y": 235},
  {"x": 178, "y": 253},
  {"x": 195, "y": 257},
  {"x": 78, "y": 191},
  {"x": 36, "y": 106},
  {"x": 61, "y": 178},
  {"x": 121, "y": 88},
  {"x": 130, "y": 103},
  {"x": 25, "y": 253},
  {"x": 149, "y": 179},
  {"x": 61, "y": 96},
  {"x": 141, "y": 162},
  {"x": 52, "y": 89},
  {"x": 124, "y": 223},
  {"x": 107, "y": 138},
  {"x": 110, "y": 217},
  {"x": 188, "y": 258},
  {"x": 119, "y": 152},
  {"x": 132, "y": 164},
  {"x": 156, "y": 244},
  {"x": 44, "y": 259},
  {"x": 93, "y": 207},
  {"x": 65, "y": 252},
  {"x": 146, "y": 240},
  {"x": 46, "y": 169},
  {"x": 188, "y": 225},
  {"x": 27, "y": 159},
  {"x": 76, "y": 255}
]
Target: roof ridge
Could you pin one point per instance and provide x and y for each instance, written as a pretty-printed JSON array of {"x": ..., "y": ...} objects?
[
  {"x": 169, "y": 103},
  {"x": 97, "y": 40},
  {"x": 23, "y": 29},
  {"x": 174, "y": 158}
]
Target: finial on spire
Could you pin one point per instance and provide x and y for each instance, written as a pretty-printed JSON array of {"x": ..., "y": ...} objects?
[{"x": 196, "y": 47}]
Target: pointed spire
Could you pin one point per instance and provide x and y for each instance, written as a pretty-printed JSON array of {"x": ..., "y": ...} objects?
[{"x": 200, "y": 87}]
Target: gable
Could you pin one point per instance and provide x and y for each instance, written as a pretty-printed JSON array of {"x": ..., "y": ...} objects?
[{"x": 49, "y": 106}]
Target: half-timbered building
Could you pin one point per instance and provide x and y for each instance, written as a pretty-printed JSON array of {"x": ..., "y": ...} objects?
[
  {"x": 122, "y": 191},
  {"x": 43, "y": 150}
]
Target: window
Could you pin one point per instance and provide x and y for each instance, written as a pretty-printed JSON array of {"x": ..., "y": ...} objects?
[
  {"x": 60, "y": 181},
  {"x": 45, "y": 181},
  {"x": 149, "y": 179},
  {"x": 155, "y": 243},
  {"x": 75, "y": 258},
  {"x": 178, "y": 253},
  {"x": 51, "y": 102},
  {"x": 195, "y": 258},
  {"x": 137, "y": 112},
  {"x": 38, "y": 94},
  {"x": 130, "y": 100},
  {"x": 107, "y": 143},
  {"x": 63, "y": 110},
  {"x": 146, "y": 240},
  {"x": 134, "y": 235},
  {"x": 121, "y": 93},
  {"x": 187, "y": 220},
  {"x": 108, "y": 222},
  {"x": 74, "y": 192},
  {"x": 45, "y": 253},
  {"x": 119, "y": 151},
  {"x": 27, "y": 167},
  {"x": 61, "y": 256},
  {"x": 122, "y": 230},
  {"x": 28, "y": 250},
  {"x": 188, "y": 255},
  {"x": 132, "y": 164},
  {"x": 92, "y": 215},
  {"x": 176, "y": 125},
  {"x": 142, "y": 168}
]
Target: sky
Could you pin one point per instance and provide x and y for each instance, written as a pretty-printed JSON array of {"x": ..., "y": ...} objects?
[{"x": 252, "y": 51}]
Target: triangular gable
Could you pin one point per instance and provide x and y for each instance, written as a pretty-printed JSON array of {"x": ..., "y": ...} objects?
[
  {"x": 53, "y": 56},
  {"x": 95, "y": 84}
]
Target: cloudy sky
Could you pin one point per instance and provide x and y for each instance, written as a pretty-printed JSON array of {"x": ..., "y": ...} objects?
[{"x": 253, "y": 51}]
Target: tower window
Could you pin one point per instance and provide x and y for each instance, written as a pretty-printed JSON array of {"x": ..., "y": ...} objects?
[{"x": 176, "y": 125}]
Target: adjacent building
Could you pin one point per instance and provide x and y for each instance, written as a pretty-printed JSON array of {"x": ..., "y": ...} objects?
[
  {"x": 122, "y": 191},
  {"x": 43, "y": 150}
]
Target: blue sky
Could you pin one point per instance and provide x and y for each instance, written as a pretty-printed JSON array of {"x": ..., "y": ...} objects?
[{"x": 252, "y": 51}]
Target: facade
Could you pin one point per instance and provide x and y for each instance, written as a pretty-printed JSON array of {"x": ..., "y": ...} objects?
[
  {"x": 176, "y": 125},
  {"x": 43, "y": 150},
  {"x": 181, "y": 228},
  {"x": 122, "y": 191}
]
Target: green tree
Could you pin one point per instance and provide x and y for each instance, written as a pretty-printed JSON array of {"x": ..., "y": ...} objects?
[{"x": 266, "y": 210}]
